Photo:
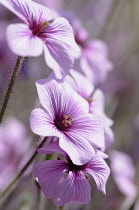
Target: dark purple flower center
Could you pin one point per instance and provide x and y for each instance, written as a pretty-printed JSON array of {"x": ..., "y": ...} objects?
[
  {"x": 63, "y": 122},
  {"x": 38, "y": 29},
  {"x": 75, "y": 168}
]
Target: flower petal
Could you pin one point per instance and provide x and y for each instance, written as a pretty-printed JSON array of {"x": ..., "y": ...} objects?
[
  {"x": 49, "y": 174},
  {"x": 28, "y": 10},
  {"x": 56, "y": 98},
  {"x": 74, "y": 188},
  {"x": 101, "y": 154},
  {"x": 94, "y": 62},
  {"x": 19, "y": 8},
  {"x": 58, "y": 57},
  {"x": 42, "y": 124},
  {"x": 79, "y": 149},
  {"x": 51, "y": 148},
  {"x": 22, "y": 42},
  {"x": 97, "y": 106},
  {"x": 123, "y": 171},
  {"x": 100, "y": 171},
  {"x": 90, "y": 128},
  {"x": 80, "y": 83},
  {"x": 61, "y": 30}
]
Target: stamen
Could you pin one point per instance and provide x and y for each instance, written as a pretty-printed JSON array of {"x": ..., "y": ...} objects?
[
  {"x": 44, "y": 24},
  {"x": 89, "y": 100},
  {"x": 67, "y": 121}
]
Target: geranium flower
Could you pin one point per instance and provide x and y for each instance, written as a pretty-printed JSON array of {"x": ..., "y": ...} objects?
[
  {"x": 14, "y": 146},
  {"x": 66, "y": 115},
  {"x": 93, "y": 60},
  {"x": 40, "y": 32},
  {"x": 64, "y": 181},
  {"x": 96, "y": 101},
  {"x": 123, "y": 172}
]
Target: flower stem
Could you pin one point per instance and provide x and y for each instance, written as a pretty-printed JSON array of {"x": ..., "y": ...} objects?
[
  {"x": 61, "y": 208},
  {"x": 23, "y": 169},
  {"x": 15, "y": 72}
]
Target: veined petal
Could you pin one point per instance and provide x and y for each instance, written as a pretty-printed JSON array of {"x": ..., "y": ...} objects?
[
  {"x": 61, "y": 30},
  {"x": 28, "y": 10},
  {"x": 74, "y": 187},
  {"x": 58, "y": 57},
  {"x": 101, "y": 154},
  {"x": 49, "y": 95},
  {"x": 79, "y": 149},
  {"x": 100, "y": 171},
  {"x": 87, "y": 68},
  {"x": 109, "y": 137},
  {"x": 74, "y": 104},
  {"x": 97, "y": 106},
  {"x": 80, "y": 83},
  {"x": 90, "y": 128},
  {"x": 51, "y": 148},
  {"x": 49, "y": 174},
  {"x": 55, "y": 98},
  {"x": 19, "y": 8},
  {"x": 22, "y": 42},
  {"x": 98, "y": 103},
  {"x": 42, "y": 123}
]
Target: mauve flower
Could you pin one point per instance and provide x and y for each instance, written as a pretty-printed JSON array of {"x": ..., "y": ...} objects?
[
  {"x": 80, "y": 83},
  {"x": 64, "y": 181},
  {"x": 40, "y": 32},
  {"x": 93, "y": 60},
  {"x": 97, "y": 106},
  {"x": 96, "y": 101},
  {"x": 66, "y": 115},
  {"x": 123, "y": 173},
  {"x": 13, "y": 147}
]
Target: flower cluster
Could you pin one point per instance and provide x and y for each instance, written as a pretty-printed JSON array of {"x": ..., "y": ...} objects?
[
  {"x": 80, "y": 136},
  {"x": 72, "y": 109}
]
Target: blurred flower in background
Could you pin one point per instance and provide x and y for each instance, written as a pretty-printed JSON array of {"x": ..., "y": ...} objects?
[{"x": 14, "y": 146}]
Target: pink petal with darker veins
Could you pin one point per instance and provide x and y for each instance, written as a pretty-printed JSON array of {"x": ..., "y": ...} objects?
[
  {"x": 42, "y": 124},
  {"x": 22, "y": 42},
  {"x": 79, "y": 149},
  {"x": 49, "y": 174},
  {"x": 80, "y": 83},
  {"x": 51, "y": 148},
  {"x": 90, "y": 127},
  {"x": 28, "y": 10},
  {"x": 74, "y": 187},
  {"x": 60, "y": 30},
  {"x": 99, "y": 170},
  {"x": 55, "y": 98},
  {"x": 58, "y": 57}
]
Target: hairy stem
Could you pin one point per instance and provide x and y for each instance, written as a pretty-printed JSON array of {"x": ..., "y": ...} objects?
[
  {"x": 23, "y": 169},
  {"x": 10, "y": 87}
]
